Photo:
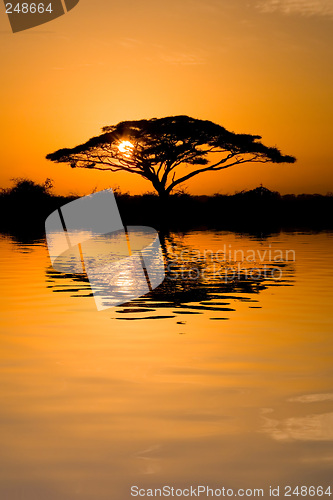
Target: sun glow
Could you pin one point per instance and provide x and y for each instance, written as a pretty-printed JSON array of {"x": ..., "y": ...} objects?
[{"x": 126, "y": 147}]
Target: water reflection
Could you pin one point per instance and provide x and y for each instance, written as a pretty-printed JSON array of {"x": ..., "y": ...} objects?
[
  {"x": 92, "y": 404},
  {"x": 317, "y": 427},
  {"x": 206, "y": 272},
  {"x": 311, "y": 420}
]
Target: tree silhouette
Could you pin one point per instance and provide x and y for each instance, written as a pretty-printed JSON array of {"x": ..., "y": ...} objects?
[{"x": 158, "y": 148}]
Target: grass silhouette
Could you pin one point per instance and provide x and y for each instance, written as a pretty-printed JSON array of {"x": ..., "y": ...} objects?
[{"x": 26, "y": 205}]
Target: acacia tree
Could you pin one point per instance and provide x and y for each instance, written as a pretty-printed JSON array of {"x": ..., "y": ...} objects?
[{"x": 155, "y": 149}]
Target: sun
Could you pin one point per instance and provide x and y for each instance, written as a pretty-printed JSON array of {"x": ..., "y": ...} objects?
[{"x": 125, "y": 147}]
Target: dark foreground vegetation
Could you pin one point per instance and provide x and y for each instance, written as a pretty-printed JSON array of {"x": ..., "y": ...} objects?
[{"x": 25, "y": 206}]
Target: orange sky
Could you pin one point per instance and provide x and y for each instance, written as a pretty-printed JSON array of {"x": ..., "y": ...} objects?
[{"x": 253, "y": 66}]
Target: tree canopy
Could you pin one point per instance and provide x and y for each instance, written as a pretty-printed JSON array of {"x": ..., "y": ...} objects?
[{"x": 156, "y": 148}]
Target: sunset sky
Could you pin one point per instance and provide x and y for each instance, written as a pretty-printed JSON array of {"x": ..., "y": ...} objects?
[{"x": 254, "y": 66}]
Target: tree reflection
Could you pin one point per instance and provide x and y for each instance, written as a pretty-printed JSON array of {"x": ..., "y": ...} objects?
[{"x": 195, "y": 282}]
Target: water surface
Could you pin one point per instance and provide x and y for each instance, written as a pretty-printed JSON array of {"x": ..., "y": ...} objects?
[{"x": 224, "y": 382}]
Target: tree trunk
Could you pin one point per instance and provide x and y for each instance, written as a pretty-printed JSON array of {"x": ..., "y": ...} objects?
[{"x": 164, "y": 209}]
